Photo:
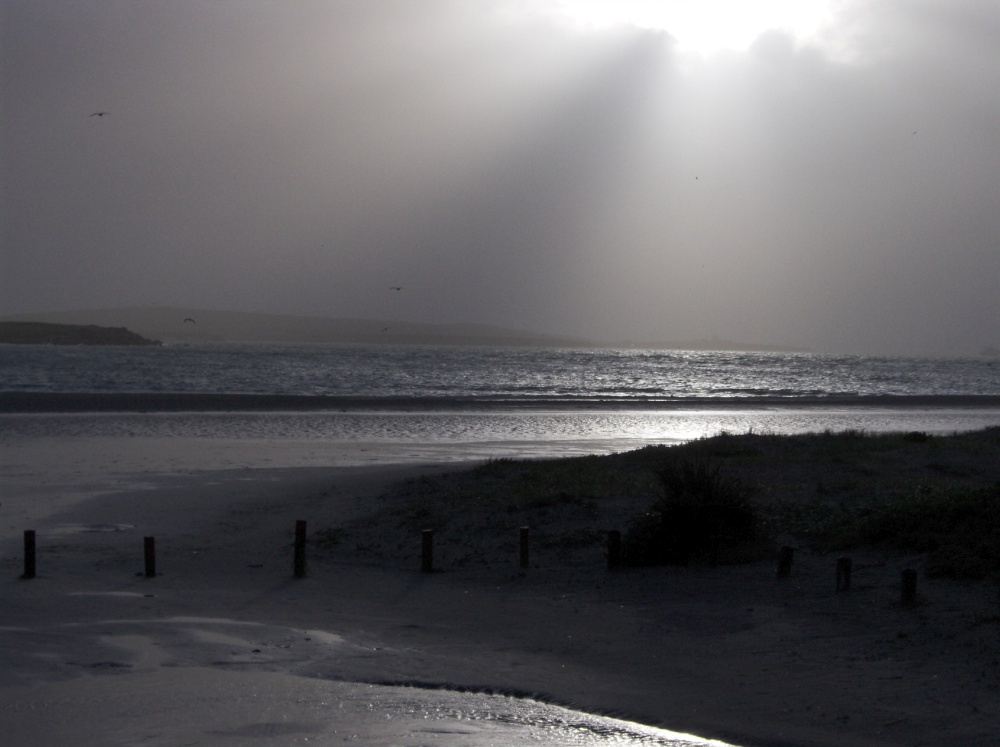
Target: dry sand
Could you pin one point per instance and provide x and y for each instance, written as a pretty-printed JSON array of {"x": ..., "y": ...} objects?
[{"x": 95, "y": 650}]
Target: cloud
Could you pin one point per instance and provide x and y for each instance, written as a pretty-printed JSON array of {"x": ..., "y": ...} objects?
[{"x": 835, "y": 192}]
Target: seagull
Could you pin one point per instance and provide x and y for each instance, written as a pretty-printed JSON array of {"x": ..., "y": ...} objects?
[
  {"x": 189, "y": 320},
  {"x": 395, "y": 287},
  {"x": 98, "y": 114}
]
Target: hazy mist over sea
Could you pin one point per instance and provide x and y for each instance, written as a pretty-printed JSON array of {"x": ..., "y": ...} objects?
[{"x": 812, "y": 175}]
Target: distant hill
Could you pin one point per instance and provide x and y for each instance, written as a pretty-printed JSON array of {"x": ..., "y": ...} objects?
[
  {"x": 187, "y": 325},
  {"x": 42, "y": 333},
  {"x": 180, "y": 325}
]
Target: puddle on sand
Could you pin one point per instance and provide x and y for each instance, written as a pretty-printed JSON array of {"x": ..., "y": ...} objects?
[
  {"x": 206, "y": 681},
  {"x": 209, "y": 707}
]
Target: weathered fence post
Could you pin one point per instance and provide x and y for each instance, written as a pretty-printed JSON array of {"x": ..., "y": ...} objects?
[
  {"x": 149, "y": 552},
  {"x": 909, "y": 592},
  {"x": 785, "y": 561},
  {"x": 525, "y": 531},
  {"x": 427, "y": 551},
  {"x": 300, "y": 549},
  {"x": 29, "y": 553},
  {"x": 843, "y": 574},
  {"x": 614, "y": 549}
]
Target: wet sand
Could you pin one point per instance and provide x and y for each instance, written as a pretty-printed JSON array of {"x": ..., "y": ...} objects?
[{"x": 731, "y": 653}]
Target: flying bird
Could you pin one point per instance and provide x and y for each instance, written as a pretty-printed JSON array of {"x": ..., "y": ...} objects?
[
  {"x": 395, "y": 287},
  {"x": 98, "y": 114},
  {"x": 189, "y": 320}
]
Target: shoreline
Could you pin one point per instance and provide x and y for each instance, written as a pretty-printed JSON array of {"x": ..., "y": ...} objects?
[{"x": 92, "y": 402}]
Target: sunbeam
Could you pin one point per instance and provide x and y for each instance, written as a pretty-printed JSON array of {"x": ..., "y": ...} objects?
[{"x": 704, "y": 27}]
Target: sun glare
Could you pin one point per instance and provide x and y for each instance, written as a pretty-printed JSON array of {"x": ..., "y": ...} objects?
[{"x": 703, "y": 26}]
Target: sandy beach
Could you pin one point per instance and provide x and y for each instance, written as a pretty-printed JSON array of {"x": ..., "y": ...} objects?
[{"x": 225, "y": 646}]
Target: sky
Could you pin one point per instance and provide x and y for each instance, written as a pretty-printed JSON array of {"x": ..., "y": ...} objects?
[{"x": 819, "y": 173}]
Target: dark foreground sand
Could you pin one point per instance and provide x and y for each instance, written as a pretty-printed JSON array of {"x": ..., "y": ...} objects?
[{"x": 731, "y": 653}]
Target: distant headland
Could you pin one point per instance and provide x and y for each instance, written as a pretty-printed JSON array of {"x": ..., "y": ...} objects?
[
  {"x": 47, "y": 333},
  {"x": 180, "y": 325}
]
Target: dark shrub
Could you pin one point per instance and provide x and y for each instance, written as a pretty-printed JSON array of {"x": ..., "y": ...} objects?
[{"x": 702, "y": 515}]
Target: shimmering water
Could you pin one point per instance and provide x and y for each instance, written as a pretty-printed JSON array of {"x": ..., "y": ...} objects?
[
  {"x": 486, "y": 433},
  {"x": 514, "y": 401},
  {"x": 507, "y": 373}
]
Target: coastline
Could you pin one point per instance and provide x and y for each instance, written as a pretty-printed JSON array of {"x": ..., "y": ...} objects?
[{"x": 727, "y": 652}]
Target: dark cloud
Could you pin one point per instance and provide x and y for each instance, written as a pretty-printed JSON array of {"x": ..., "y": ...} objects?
[{"x": 302, "y": 157}]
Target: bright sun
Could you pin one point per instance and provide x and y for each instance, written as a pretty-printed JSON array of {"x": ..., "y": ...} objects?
[{"x": 703, "y": 26}]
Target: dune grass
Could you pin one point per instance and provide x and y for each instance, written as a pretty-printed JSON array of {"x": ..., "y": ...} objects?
[
  {"x": 729, "y": 497},
  {"x": 959, "y": 529}
]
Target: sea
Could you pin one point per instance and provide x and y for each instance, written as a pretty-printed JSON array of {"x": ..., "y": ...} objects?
[{"x": 482, "y": 402}]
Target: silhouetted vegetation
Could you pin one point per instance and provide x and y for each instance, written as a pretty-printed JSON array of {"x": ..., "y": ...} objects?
[
  {"x": 725, "y": 499},
  {"x": 703, "y": 514}
]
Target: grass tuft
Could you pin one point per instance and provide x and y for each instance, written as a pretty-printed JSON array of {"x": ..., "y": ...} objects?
[{"x": 702, "y": 514}]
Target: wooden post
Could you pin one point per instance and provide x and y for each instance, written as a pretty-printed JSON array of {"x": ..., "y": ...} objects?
[
  {"x": 785, "y": 561},
  {"x": 149, "y": 551},
  {"x": 300, "y": 549},
  {"x": 843, "y": 574},
  {"x": 614, "y": 549},
  {"x": 427, "y": 551},
  {"x": 525, "y": 531},
  {"x": 909, "y": 592},
  {"x": 29, "y": 553}
]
